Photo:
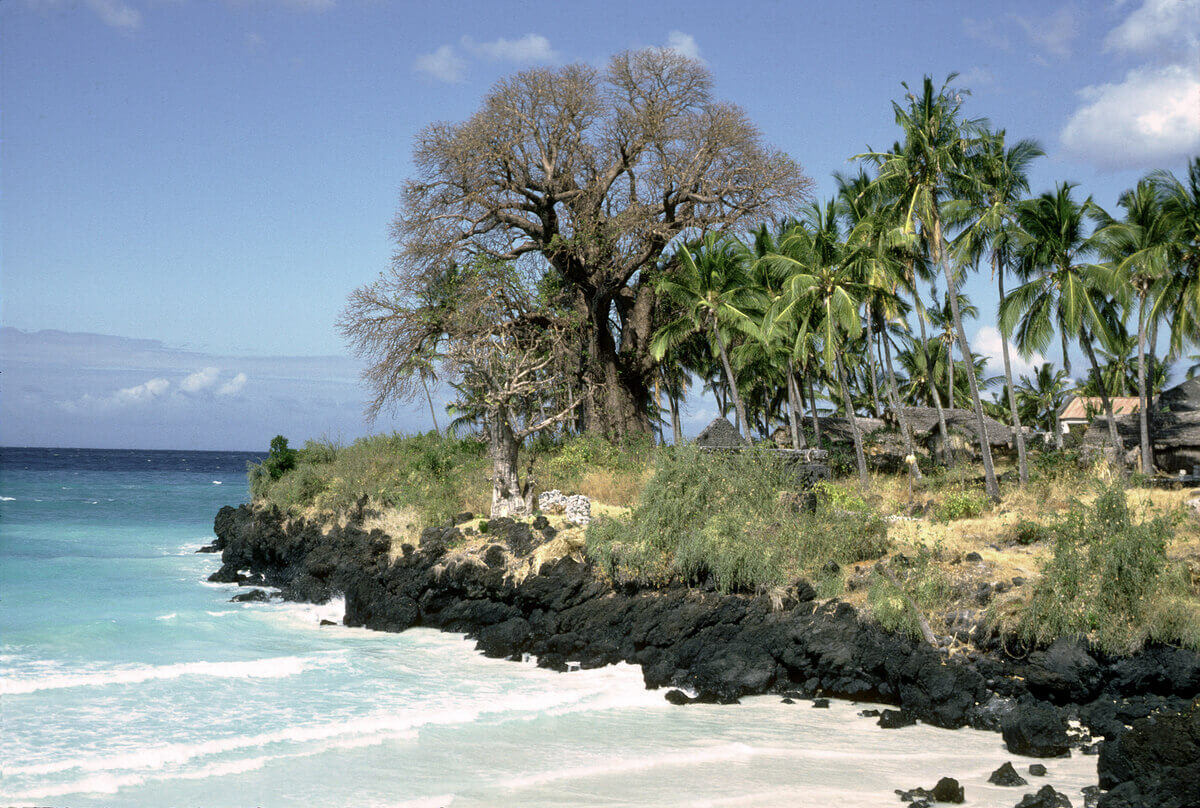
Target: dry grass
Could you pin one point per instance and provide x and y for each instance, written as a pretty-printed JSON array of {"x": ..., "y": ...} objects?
[{"x": 610, "y": 487}]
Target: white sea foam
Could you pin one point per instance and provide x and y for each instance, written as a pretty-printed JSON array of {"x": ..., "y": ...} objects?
[
  {"x": 216, "y": 482},
  {"x": 273, "y": 668},
  {"x": 170, "y": 616},
  {"x": 8, "y": 499}
]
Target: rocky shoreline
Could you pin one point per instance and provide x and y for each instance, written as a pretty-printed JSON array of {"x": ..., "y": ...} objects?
[{"x": 722, "y": 647}]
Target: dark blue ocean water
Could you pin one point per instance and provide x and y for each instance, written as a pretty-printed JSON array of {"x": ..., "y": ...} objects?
[{"x": 126, "y": 680}]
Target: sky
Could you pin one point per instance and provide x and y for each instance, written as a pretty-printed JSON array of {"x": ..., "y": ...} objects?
[{"x": 189, "y": 189}]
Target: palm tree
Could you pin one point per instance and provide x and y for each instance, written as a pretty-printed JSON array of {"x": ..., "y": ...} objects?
[
  {"x": 1140, "y": 247},
  {"x": 822, "y": 295},
  {"x": 992, "y": 212},
  {"x": 1061, "y": 287},
  {"x": 932, "y": 163},
  {"x": 942, "y": 317},
  {"x": 711, "y": 285},
  {"x": 1043, "y": 395},
  {"x": 1181, "y": 205}
]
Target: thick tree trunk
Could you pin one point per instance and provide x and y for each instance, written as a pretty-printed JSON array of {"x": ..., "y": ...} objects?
[
  {"x": 985, "y": 447},
  {"x": 743, "y": 424},
  {"x": 1143, "y": 400},
  {"x": 909, "y": 446},
  {"x": 621, "y": 379},
  {"x": 1118, "y": 446},
  {"x": 509, "y": 498},
  {"x": 1018, "y": 433},
  {"x": 860, "y": 457}
]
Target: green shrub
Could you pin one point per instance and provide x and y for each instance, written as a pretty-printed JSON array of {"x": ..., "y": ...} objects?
[
  {"x": 1029, "y": 531},
  {"x": 731, "y": 517},
  {"x": 1105, "y": 578},
  {"x": 961, "y": 504}
]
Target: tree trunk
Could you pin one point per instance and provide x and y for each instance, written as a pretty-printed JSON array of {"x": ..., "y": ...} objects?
[
  {"x": 793, "y": 406},
  {"x": 863, "y": 480},
  {"x": 743, "y": 424},
  {"x": 432, "y": 414},
  {"x": 812, "y": 404},
  {"x": 985, "y": 447},
  {"x": 1018, "y": 434},
  {"x": 621, "y": 388},
  {"x": 901, "y": 418},
  {"x": 947, "y": 455},
  {"x": 1143, "y": 399},
  {"x": 676, "y": 425},
  {"x": 950, "y": 373},
  {"x": 871, "y": 361},
  {"x": 508, "y": 497},
  {"x": 1118, "y": 447},
  {"x": 1058, "y": 433}
]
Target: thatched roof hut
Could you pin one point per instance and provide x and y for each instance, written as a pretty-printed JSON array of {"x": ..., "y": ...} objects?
[
  {"x": 923, "y": 421},
  {"x": 720, "y": 434}
]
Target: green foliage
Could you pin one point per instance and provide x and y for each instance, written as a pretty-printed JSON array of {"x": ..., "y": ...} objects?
[
  {"x": 961, "y": 504},
  {"x": 1107, "y": 579},
  {"x": 564, "y": 464},
  {"x": 921, "y": 582},
  {"x": 731, "y": 518},
  {"x": 1029, "y": 531},
  {"x": 436, "y": 475}
]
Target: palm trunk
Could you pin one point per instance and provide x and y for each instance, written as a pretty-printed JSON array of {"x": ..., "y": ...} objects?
[
  {"x": 1118, "y": 447},
  {"x": 1058, "y": 433},
  {"x": 812, "y": 405},
  {"x": 894, "y": 390},
  {"x": 1018, "y": 434},
  {"x": 947, "y": 456},
  {"x": 432, "y": 414},
  {"x": 985, "y": 447},
  {"x": 739, "y": 408},
  {"x": 859, "y": 455},
  {"x": 793, "y": 425},
  {"x": 676, "y": 424},
  {"x": 871, "y": 361},
  {"x": 950, "y": 373},
  {"x": 1143, "y": 415}
]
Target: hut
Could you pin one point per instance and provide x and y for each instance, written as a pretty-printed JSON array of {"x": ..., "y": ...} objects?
[
  {"x": 1174, "y": 430},
  {"x": 1080, "y": 411},
  {"x": 923, "y": 421},
  {"x": 720, "y": 434}
]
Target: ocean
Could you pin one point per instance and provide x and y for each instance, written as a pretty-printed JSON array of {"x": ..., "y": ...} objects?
[{"x": 127, "y": 680}]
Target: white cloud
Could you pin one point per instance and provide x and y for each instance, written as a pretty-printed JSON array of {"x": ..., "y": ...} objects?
[
  {"x": 125, "y": 397},
  {"x": 116, "y": 13},
  {"x": 975, "y": 77},
  {"x": 529, "y": 49},
  {"x": 233, "y": 386},
  {"x": 988, "y": 342},
  {"x": 200, "y": 380},
  {"x": 1150, "y": 118},
  {"x": 683, "y": 44},
  {"x": 1155, "y": 25},
  {"x": 444, "y": 64}
]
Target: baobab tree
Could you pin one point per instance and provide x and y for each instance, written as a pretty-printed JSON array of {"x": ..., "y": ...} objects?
[{"x": 588, "y": 176}]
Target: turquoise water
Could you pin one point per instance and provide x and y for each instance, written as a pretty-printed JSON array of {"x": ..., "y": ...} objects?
[{"x": 127, "y": 680}]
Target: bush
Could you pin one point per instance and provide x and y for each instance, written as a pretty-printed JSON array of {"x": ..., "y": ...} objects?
[
  {"x": 1105, "y": 578},
  {"x": 961, "y": 504},
  {"x": 1028, "y": 531},
  {"x": 730, "y": 518}
]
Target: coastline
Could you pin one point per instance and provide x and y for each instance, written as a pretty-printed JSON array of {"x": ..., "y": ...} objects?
[{"x": 724, "y": 647}]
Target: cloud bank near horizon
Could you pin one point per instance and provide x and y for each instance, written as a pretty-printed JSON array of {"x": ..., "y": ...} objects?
[{"x": 94, "y": 390}]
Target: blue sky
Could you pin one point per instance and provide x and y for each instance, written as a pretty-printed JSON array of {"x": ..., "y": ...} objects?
[{"x": 215, "y": 177}]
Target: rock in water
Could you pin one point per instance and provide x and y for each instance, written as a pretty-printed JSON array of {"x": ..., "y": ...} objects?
[
  {"x": 1036, "y": 730},
  {"x": 948, "y": 790},
  {"x": 1046, "y": 797},
  {"x": 894, "y": 719},
  {"x": 1037, "y": 770},
  {"x": 1156, "y": 762},
  {"x": 253, "y": 596},
  {"x": 1006, "y": 775},
  {"x": 677, "y": 697}
]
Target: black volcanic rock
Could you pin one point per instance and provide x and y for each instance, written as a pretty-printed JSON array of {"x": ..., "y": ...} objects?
[
  {"x": 1046, "y": 797},
  {"x": 253, "y": 596},
  {"x": 1006, "y": 775},
  {"x": 1035, "y": 729},
  {"x": 1155, "y": 763},
  {"x": 1037, "y": 770},
  {"x": 895, "y": 719}
]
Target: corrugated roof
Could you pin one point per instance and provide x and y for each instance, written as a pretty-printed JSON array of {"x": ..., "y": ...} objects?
[{"x": 1085, "y": 408}]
